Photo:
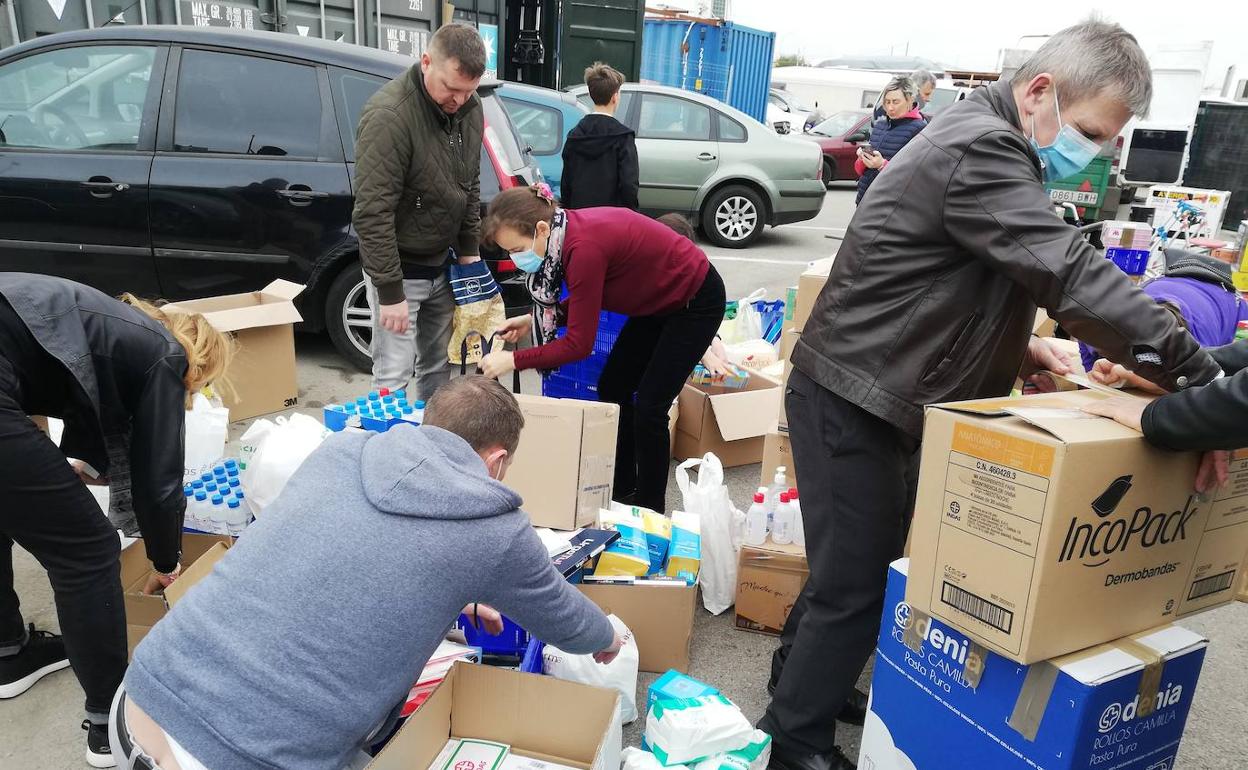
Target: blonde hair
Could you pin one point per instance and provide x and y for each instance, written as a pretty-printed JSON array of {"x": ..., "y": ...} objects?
[{"x": 208, "y": 351}]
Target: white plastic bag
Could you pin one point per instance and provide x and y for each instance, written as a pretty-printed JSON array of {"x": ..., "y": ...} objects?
[
  {"x": 620, "y": 674},
  {"x": 748, "y": 323},
  {"x": 280, "y": 448},
  {"x": 754, "y": 355},
  {"x": 722, "y": 524},
  {"x": 207, "y": 428}
]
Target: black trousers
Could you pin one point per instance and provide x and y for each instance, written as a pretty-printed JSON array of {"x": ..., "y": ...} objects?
[
  {"x": 644, "y": 374},
  {"x": 857, "y": 496},
  {"x": 47, "y": 510}
]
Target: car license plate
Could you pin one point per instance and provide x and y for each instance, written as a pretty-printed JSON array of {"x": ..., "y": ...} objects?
[{"x": 1081, "y": 197}]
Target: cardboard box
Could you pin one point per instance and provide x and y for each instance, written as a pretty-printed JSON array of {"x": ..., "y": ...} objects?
[
  {"x": 200, "y": 553},
  {"x": 565, "y": 463},
  {"x": 769, "y": 579},
  {"x": 809, "y": 286},
  {"x": 1166, "y": 199},
  {"x": 1043, "y": 325},
  {"x": 730, "y": 423},
  {"x": 537, "y": 716},
  {"x": 777, "y": 451},
  {"x": 1041, "y": 530},
  {"x": 262, "y": 374},
  {"x": 660, "y": 617},
  {"x": 936, "y": 696},
  {"x": 782, "y": 419},
  {"x": 788, "y": 341}
]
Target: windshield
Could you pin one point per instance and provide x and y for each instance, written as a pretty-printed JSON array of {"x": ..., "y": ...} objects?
[
  {"x": 941, "y": 98},
  {"x": 838, "y": 125},
  {"x": 795, "y": 104}
]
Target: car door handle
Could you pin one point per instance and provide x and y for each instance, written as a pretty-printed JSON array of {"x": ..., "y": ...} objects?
[
  {"x": 299, "y": 196},
  {"x": 105, "y": 186},
  {"x": 706, "y": 156}
]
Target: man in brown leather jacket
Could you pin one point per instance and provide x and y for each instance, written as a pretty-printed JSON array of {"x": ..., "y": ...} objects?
[{"x": 931, "y": 299}]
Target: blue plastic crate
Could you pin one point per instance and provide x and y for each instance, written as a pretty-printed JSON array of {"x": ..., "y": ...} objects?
[
  {"x": 531, "y": 663},
  {"x": 513, "y": 641},
  {"x": 1129, "y": 261},
  {"x": 556, "y": 385}
]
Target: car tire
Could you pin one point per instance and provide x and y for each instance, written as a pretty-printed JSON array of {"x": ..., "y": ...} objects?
[
  {"x": 829, "y": 173},
  {"x": 727, "y": 216},
  {"x": 348, "y": 318}
]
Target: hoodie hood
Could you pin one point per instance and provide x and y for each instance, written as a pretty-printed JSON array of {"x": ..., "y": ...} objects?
[
  {"x": 430, "y": 473},
  {"x": 596, "y": 134}
]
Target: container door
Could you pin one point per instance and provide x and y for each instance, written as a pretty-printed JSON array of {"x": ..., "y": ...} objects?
[
  {"x": 677, "y": 149},
  {"x": 38, "y": 18},
  {"x": 599, "y": 30},
  {"x": 239, "y": 14}
]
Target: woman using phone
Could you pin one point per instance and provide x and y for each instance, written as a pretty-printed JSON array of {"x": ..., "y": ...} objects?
[
  {"x": 105, "y": 367},
  {"x": 612, "y": 259},
  {"x": 900, "y": 123}
]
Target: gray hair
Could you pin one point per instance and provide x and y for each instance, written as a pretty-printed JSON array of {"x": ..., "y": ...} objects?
[
  {"x": 900, "y": 83},
  {"x": 1090, "y": 58},
  {"x": 922, "y": 77}
]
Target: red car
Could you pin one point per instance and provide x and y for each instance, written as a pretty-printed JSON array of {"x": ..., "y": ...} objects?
[{"x": 839, "y": 137}]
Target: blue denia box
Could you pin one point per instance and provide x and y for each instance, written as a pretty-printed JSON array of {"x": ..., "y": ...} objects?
[{"x": 1086, "y": 710}]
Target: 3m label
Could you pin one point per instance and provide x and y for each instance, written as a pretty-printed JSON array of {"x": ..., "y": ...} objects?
[{"x": 1019, "y": 453}]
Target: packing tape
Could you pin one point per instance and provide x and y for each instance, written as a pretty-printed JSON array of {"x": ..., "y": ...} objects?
[
  {"x": 912, "y": 638},
  {"x": 1150, "y": 677},
  {"x": 972, "y": 670},
  {"x": 1033, "y": 699}
]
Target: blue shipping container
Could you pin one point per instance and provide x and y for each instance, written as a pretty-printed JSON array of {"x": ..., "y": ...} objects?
[{"x": 727, "y": 61}]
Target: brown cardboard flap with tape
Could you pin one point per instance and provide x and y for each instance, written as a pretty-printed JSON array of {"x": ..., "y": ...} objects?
[
  {"x": 769, "y": 579},
  {"x": 565, "y": 463},
  {"x": 729, "y": 422},
  {"x": 262, "y": 375},
  {"x": 1040, "y": 530}
]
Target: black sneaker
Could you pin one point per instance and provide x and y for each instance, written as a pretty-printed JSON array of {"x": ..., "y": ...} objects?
[
  {"x": 43, "y": 653},
  {"x": 99, "y": 753}
]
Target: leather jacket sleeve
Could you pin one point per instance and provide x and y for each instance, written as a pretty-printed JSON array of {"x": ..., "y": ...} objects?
[
  {"x": 156, "y": 463},
  {"x": 1214, "y": 416},
  {"x": 1232, "y": 358},
  {"x": 996, "y": 209}
]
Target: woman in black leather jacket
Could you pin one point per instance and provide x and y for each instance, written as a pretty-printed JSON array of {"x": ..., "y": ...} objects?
[{"x": 105, "y": 367}]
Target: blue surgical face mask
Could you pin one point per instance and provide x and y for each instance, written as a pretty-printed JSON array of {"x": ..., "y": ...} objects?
[
  {"x": 1070, "y": 152},
  {"x": 528, "y": 260}
]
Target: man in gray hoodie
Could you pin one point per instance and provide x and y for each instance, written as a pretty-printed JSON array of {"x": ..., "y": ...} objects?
[{"x": 313, "y": 627}]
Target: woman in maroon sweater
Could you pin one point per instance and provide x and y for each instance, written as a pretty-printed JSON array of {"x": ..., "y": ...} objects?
[{"x": 618, "y": 260}]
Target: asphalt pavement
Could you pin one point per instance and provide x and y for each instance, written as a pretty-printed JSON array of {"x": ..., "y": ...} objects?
[{"x": 40, "y": 729}]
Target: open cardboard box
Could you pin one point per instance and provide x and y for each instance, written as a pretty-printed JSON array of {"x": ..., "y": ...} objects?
[
  {"x": 659, "y": 615},
  {"x": 200, "y": 553},
  {"x": 729, "y": 422},
  {"x": 262, "y": 374},
  {"x": 538, "y": 716}
]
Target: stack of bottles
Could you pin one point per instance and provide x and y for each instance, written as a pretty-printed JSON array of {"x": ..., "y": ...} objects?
[
  {"x": 776, "y": 513},
  {"x": 379, "y": 411},
  {"x": 216, "y": 503}
]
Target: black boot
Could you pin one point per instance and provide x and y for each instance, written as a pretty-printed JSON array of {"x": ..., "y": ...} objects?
[
  {"x": 787, "y": 760},
  {"x": 854, "y": 712}
]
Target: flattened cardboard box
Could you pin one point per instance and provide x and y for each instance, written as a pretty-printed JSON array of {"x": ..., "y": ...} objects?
[
  {"x": 262, "y": 374},
  {"x": 769, "y": 579},
  {"x": 1041, "y": 530},
  {"x": 731, "y": 423},
  {"x": 777, "y": 451},
  {"x": 537, "y": 716},
  {"x": 565, "y": 463},
  {"x": 200, "y": 553},
  {"x": 660, "y": 617}
]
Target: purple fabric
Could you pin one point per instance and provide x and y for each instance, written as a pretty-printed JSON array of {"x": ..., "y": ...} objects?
[{"x": 1211, "y": 311}]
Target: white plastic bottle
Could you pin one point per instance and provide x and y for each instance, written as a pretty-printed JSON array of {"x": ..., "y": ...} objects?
[
  {"x": 235, "y": 516},
  {"x": 779, "y": 484},
  {"x": 197, "y": 510},
  {"x": 756, "y": 519},
  {"x": 217, "y": 515},
  {"x": 799, "y": 526},
  {"x": 782, "y": 526}
]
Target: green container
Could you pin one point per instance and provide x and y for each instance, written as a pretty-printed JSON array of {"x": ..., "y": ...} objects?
[{"x": 1089, "y": 197}]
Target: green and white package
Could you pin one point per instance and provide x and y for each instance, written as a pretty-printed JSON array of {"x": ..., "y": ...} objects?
[{"x": 691, "y": 729}]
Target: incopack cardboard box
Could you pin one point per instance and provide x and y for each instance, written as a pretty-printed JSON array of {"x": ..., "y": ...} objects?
[
  {"x": 540, "y": 717},
  {"x": 939, "y": 700},
  {"x": 199, "y": 554},
  {"x": 565, "y": 463},
  {"x": 788, "y": 341},
  {"x": 782, "y": 420},
  {"x": 809, "y": 286},
  {"x": 769, "y": 579},
  {"x": 1041, "y": 530},
  {"x": 777, "y": 451},
  {"x": 660, "y": 617},
  {"x": 729, "y": 422},
  {"x": 262, "y": 374}
]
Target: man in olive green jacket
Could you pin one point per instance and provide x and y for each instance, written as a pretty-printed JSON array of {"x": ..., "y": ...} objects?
[{"x": 417, "y": 194}]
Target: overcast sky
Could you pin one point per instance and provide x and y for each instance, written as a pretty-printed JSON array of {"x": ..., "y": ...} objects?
[{"x": 952, "y": 35}]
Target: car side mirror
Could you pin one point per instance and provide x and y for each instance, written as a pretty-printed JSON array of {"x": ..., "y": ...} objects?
[{"x": 858, "y": 136}]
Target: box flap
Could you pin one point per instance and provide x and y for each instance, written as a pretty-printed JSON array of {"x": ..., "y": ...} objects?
[
  {"x": 195, "y": 573},
  {"x": 251, "y": 310},
  {"x": 1107, "y": 662},
  {"x": 748, "y": 412},
  {"x": 1058, "y": 414},
  {"x": 283, "y": 290}
]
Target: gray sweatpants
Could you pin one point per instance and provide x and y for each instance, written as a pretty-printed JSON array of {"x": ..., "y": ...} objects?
[{"x": 419, "y": 353}]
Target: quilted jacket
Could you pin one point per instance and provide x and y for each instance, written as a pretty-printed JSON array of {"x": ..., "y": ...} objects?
[{"x": 417, "y": 182}]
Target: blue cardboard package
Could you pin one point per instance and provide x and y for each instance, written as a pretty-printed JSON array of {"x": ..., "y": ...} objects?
[{"x": 1116, "y": 706}]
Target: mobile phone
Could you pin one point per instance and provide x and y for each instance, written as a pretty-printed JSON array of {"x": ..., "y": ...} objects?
[{"x": 867, "y": 148}]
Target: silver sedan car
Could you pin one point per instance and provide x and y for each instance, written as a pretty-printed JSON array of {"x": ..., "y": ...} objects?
[{"x": 724, "y": 170}]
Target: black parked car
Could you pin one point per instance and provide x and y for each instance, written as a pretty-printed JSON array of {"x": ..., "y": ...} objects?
[{"x": 180, "y": 162}]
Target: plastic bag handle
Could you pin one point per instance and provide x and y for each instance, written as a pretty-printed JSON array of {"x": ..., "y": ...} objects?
[{"x": 487, "y": 345}]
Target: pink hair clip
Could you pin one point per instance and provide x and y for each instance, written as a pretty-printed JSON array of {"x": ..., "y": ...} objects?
[{"x": 544, "y": 192}]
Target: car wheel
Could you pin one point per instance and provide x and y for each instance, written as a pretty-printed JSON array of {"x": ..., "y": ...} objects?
[
  {"x": 829, "y": 172},
  {"x": 733, "y": 217},
  {"x": 349, "y": 318}
]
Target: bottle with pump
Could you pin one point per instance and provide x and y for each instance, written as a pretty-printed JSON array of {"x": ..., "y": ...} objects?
[
  {"x": 779, "y": 484},
  {"x": 782, "y": 528},
  {"x": 756, "y": 519},
  {"x": 799, "y": 527}
]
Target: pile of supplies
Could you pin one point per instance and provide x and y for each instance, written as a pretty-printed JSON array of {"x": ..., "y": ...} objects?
[
  {"x": 379, "y": 411},
  {"x": 216, "y": 503},
  {"x": 650, "y": 544},
  {"x": 1128, "y": 245}
]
